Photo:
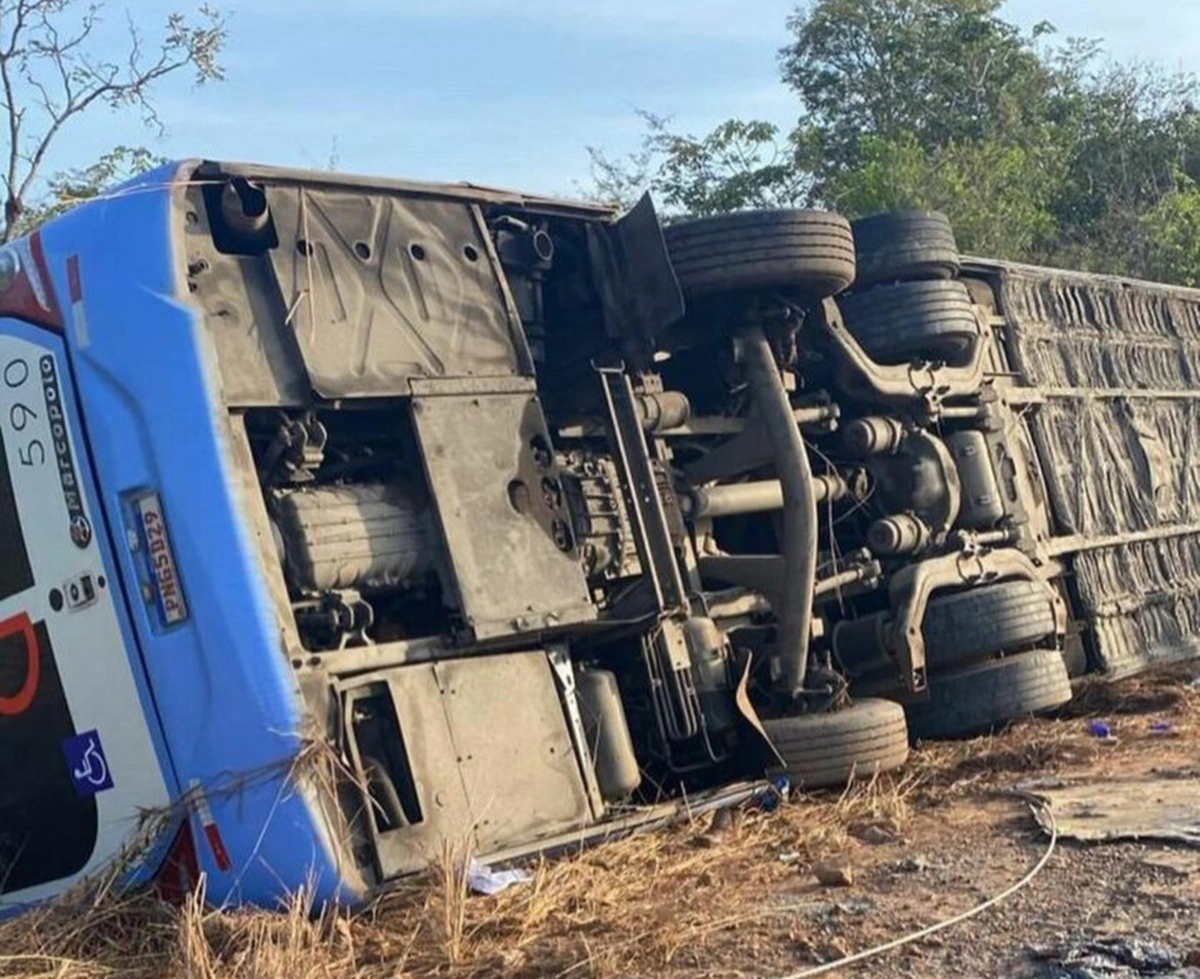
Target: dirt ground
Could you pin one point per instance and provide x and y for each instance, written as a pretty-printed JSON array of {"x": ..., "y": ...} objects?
[{"x": 738, "y": 897}]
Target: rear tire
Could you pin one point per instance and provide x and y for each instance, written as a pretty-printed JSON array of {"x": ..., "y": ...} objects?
[
  {"x": 808, "y": 253},
  {"x": 822, "y": 750},
  {"x": 930, "y": 319},
  {"x": 902, "y": 245},
  {"x": 1001, "y": 618},
  {"x": 988, "y": 695}
]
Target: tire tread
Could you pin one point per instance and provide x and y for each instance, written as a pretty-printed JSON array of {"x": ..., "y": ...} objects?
[
  {"x": 807, "y": 252},
  {"x": 828, "y": 749},
  {"x": 987, "y": 695},
  {"x": 895, "y": 322},
  {"x": 905, "y": 245},
  {"x": 999, "y": 618}
]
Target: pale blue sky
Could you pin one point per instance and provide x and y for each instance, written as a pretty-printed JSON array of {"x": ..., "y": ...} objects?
[{"x": 509, "y": 92}]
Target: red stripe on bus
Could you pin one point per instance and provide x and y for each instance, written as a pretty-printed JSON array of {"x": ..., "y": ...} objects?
[
  {"x": 19, "y": 702},
  {"x": 220, "y": 854},
  {"x": 74, "y": 283}
]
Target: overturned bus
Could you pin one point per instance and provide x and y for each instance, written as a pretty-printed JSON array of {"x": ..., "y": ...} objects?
[{"x": 345, "y": 517}]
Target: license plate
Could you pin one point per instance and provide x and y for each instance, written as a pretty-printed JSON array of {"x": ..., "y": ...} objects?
[{"x": 164, "y": 574}]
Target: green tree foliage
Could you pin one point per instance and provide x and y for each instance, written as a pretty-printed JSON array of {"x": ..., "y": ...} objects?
[
  {"x": 740, "y": 164},
  {"x": 1134, "y": 134},
  {"x": 997, "y": 193},
  {"x": 67, "y": 188},
  {"x": 938, "y": 71},
  {"x": 1038, "y": 149},
  {"x": 1172, "y": 234}
]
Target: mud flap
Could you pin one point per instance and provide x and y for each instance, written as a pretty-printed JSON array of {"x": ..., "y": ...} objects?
[
  {"x": 632, "y": 270},
  {"x": 746, "y": 709}
]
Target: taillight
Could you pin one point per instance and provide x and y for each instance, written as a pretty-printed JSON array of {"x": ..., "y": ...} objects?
[
  {"x": 180, "y": 870},
  {"x": 26, "y": 289}
]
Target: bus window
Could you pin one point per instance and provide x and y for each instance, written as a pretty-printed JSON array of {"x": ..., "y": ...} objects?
[
  {"x": 16, "y": 575},
  {"x": 48, "y": 828}
]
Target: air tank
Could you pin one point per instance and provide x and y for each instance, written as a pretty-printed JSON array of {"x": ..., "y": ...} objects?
[{"x": 607, "y": 733}]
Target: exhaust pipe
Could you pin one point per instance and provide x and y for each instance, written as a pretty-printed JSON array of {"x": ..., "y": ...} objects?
[{"x": 244, "y": 207}]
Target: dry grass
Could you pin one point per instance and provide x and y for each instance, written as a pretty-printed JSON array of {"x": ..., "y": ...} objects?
[
  {"x": 641, "y": 904},
  {"x": 710, "y": 896},
  {"x": 1158, "y": 691},
  {"x": 947, "y": 770}
]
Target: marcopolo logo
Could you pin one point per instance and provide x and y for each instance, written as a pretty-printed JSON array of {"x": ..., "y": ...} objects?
[{"x": 81, "y": 528}]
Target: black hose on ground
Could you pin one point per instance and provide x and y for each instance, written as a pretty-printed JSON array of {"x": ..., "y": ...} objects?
[{"x": 794, "y": 613}]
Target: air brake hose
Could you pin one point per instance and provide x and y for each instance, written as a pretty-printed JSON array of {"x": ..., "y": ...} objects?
[
  {"x": 794, "y": 613},
  {"x": 389, "y": 799}
]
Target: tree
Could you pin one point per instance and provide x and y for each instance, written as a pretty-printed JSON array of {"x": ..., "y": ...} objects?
[
  {"x": 739, "y": 164},
  {"x": 998, "y": 194},
  {"x": 67, "y": 188},
  {"x": 937, "y": 71},
  {"x": 1036, "y": 148},
  {"x": 1133, "y": 132},
  {"x": 51, "y": 74},
  {"x": 1172, "y": 228}
]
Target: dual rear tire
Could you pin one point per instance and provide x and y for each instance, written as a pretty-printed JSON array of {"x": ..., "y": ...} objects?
[
  {"x": 905, "y": 301},
  {"x": 984, "y": 696},
  {"x": 872, "y": 736}
]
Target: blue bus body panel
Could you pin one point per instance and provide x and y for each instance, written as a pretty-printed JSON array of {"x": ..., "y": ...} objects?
[{"x": 230, "y": 707}]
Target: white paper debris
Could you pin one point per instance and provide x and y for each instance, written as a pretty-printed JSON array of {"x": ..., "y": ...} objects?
[{"x": 482, "y": 879}]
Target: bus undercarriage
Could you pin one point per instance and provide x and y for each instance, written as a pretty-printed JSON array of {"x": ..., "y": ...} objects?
[{"x": 556, "y": 520}]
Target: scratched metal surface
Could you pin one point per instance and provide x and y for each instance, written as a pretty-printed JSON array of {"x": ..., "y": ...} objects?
[{"x": 1119, "y": 452}]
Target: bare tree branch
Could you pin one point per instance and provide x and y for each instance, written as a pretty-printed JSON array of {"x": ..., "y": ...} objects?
[{"x": 49, "y": 76}]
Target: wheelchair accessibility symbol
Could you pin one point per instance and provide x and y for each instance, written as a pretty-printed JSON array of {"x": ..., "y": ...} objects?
[{"x": 86, "y": 761}]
